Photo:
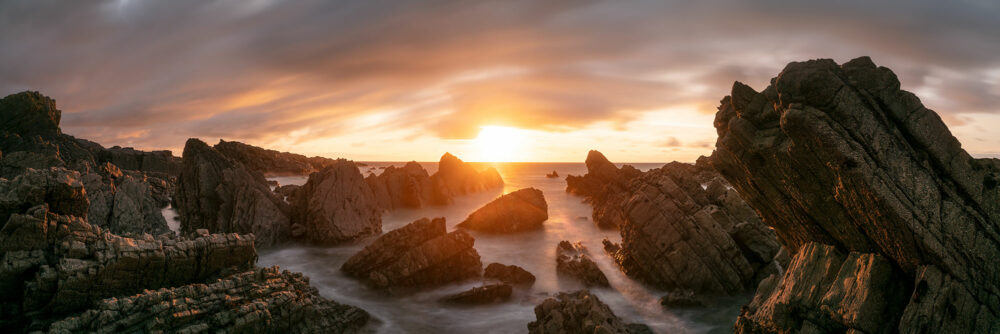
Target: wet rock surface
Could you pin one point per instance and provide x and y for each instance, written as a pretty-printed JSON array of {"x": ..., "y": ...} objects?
[
  {"x": 605, "y": 187},
  {"x": 579, "y": 312},
  {"x": 574, "y": 260},
  {"x": 271, "y": 162},
  {"x": 839, "y": 155},
  {"x": 335, "y": 205},
  {"x": 419, "y": 255},
  {"x": 518, "y": 211},
  {"x": 509, "y": 274},
  {"x": 221, "y": 195},
  {"x": 406, "y": 187},
  {"x": 454, "y": 178},
  {"x": 486, "y": 294}
]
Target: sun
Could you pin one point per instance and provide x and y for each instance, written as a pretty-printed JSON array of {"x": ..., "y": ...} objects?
[{"x": 498, "y": 143}]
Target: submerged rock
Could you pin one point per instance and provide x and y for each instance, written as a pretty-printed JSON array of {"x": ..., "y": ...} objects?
[
  {"x": 405, "y": 187},
  {"x": 579, "y": 312},
  {"x": 221, "y": 195},
  {"x": 455, "y": 177},
  {"x": 486, "y": 294},
  {"x": 509, "y": 274},
  {"x": 521, "y": 210},
  {"x": 839, "y": 155},
  {"x": 335, "y": 205},
  {"x": 606, "y": 188},
  {"x": 574, "y": 260},
  {"x": 419, "y": 255}
]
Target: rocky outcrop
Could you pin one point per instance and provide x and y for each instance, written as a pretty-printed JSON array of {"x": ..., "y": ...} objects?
[
  {"x": 124, "y": 202},
  {"x": 574, "y": 260},
  {"x": 678, "y": 235},
  {"x": 519, "y": 211},
  {"x": 840, "y": 156},
  {"x": 271, "y": 162},
  {"x": 406, "y": 187},
  {"x": 455, "y": 177},
  {"x": 221, "y": 195},
  {"x": 335, "y": 205},
  {"x": 486, "y": 294},
  {"x": 579, "y": 312},
  {"x": 30, "y": 136},
  {"x": 605, "y": 187},
  {"x": 266, "y": 301},
  {"x": 154, "y": 162},
  {"x": 509, "y": 274},
  {"x": 419, "y": 255}
]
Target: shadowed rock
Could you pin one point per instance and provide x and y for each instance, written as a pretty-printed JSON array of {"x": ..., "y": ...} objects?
[
  {"x": 335, "y": 205},
  {"x": 405, "y": 187},
  {"x": 606, "y": 188},
  {"x": 271, "y": 162},
  {"x": 454, "y": 177},
  {"x": 509, "y": 274},
  {"x": 839, "y": 155},
  {"x": 486, "y": 294},
  {"x": 156, "y": 162},
  {"x": 419, "y": 255},
  {"x": 574, "y": 260},
  {"x": 579, "y": 312},
  {"x": 221, "y": 195},
  {"x": 519, "y": 211}
]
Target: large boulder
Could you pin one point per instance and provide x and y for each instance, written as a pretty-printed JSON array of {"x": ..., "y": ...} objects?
[
  {"x": 271, "y": 162},
  {"x": 579, "y": 312},
  {"x": 335, "y": 205},
  {"x": 521, "y": 210},
  {"x": 605, "y": 187},
  {"x": 419, "y": 255},
  {"x": 406, "y": 187},
  {"x": 455, "y": 177},
  {"x": 509, "y": 274},
  {"x": 839, "y": 155},
  {"x": 573, "y": 260},
  {"x": 219, "y": 194}
]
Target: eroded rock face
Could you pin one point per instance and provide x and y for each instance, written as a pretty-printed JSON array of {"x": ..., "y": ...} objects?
[
  {"x": 419, "y": 255},
  {"x": 606, "y": 188},
  {"x": 574, "y": 260},
  {"x": 486, "y": 294},
  {"x": 839, "y": 155},
  {"x": 509, "y": 274},
  {"x": 270, "y": 301},
  {"x": 405, "y": 187},
  {"x": 125, "y": 202},
  {"x": 454, "y": 177},
  {"x": 519, "y": 211},
  {"x": 678, "y": 235},
  {"x": 271, "y": 162},
  {"x": 579, "y": 312},
  {"x": 221, "y": 195},
  {"x": 336, "y": 205}
]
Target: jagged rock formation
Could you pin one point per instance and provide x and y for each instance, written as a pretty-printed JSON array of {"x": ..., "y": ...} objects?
[
  {"x": 574, "y": 260},
  {"x": 579, "y": 312},
  {"x": 519, "y": 211},
  {"x": 606, "y": 188},
  {"x": 221, "y": 195},
  {"x": 454, "y": 177},
  {"x": 124, "y": 202},
  {"x": 418, "y": 255},
  {"x": 509, "y": 274},
  {"x": 405, "y": 187},
  {"x": 335, "y": 205},
  {"x": 270, "y": 301},
  {"x": 486, "y": 294},
  {"x": 840, "y": 156},
  {"x": 678, "y": 235},
  {"x": 271, "y": 162}
]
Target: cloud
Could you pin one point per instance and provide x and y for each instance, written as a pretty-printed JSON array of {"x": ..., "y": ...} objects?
[{"x": 152, "y": 73}]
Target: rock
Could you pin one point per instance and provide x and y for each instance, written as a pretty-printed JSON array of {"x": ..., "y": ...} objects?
[
  {"x": 271, "y": 162},
  {"x": 258, "y": 300},
  {"x": 509, "y": 274},
  {"x": 839, "y": 155},
  {"x": 682, "y": 299},
  {"x": 605, "y": 187},
  {"x": 60, "y": 189},
  {"x": 406, "y": 187},
  {"x": 486, "y": 294},
  {"x": 419, "y": 255},
  {"x": 288, "y": 191},
  {"x": 573, "y": 260},
  {"x": 454, "y": 177},
  {"x": 156, "y": 162},
  {"x": 30, "y": 114},
  {"x": 220, "y": 194},
  {"x": 552, "y": 175},
  {"x": 336, "y": 205},
  {"x": 519, "y": 211},
  {"x": 579, "y": 312},
  {"x": 30, "y": 136},
  {"x": 124, "y": 203}
]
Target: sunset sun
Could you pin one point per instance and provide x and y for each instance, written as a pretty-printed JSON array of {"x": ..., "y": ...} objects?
[{"x": 498, "y": 143}]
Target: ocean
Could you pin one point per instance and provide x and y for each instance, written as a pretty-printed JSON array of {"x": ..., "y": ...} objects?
[{"x": 569, "y": 219}]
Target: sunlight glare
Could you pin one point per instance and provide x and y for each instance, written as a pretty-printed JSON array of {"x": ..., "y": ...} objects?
[{"x": 498, "y": 143}]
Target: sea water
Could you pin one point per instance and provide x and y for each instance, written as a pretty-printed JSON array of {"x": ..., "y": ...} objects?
[{"x": 569, "y": 219}]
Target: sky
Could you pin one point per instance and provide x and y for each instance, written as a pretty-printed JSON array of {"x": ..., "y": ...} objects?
[{"x": 486, "y": 80}]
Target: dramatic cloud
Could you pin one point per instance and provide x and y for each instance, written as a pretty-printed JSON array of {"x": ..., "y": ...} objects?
[{"x": 350, "y": 78}]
